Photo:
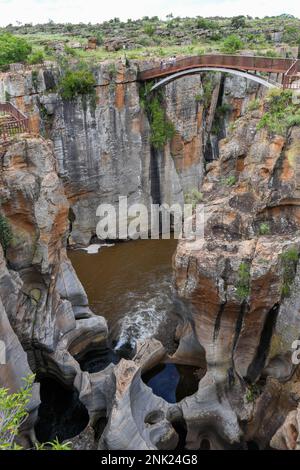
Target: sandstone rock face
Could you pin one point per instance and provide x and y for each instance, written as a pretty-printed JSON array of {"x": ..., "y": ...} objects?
[
  {"x": 242, "y": 280},
  {"x": 235, "y": 279},
  {"x": 102, "y": 147},
  {"x": 45, "y": 319}
]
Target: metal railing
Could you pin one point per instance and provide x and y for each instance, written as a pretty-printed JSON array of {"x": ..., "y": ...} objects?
[
  {"x": 290, "y": 75},
  {"x": 12, "y": 122},
  {"x": 236, "y": 62}
]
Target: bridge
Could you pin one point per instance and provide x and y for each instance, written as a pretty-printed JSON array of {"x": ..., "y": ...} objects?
[
  {"x": 12, "y": 122},
  {"x": 287, "y": 70}
]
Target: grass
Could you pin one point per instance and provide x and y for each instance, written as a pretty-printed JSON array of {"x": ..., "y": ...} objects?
[
  {"x": 193, "y": 197},
  {"x": 243, "y": 282},
  {"x": 289, "y": 261},
  {"x": 280, "y": 112},
  {"x": 230, "y": 180},
  {"x": 152, "y": 37},
  {"x": 264, "y": 229},
  {"x": 6, "y": 235}
]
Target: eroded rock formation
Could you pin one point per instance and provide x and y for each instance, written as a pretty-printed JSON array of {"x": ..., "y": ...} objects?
[
  {"x": 241, "y": 281},
  {"x": 235, "y": 279},
  {"x": 102, "y": 145}
]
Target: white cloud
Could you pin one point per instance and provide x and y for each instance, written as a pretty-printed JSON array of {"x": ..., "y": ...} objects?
[{"x": 94, "y": 11}]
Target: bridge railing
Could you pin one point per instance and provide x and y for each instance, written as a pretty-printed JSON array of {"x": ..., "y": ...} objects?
[
  {"x": 253, "y": 63},
  {"x": 12, "y": 121},
  {"x": 288, "y": 78}
]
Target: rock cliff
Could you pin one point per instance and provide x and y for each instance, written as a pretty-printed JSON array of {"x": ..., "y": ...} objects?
[
  {"x": 241, "y": 281},
  {"x": 102, "y": 145}
]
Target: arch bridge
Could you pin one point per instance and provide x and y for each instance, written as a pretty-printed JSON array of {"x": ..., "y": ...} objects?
[{"x": 286, "y": 70}]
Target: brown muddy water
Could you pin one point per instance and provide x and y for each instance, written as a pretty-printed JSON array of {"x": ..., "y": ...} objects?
[{"x": 131, "y": 285}]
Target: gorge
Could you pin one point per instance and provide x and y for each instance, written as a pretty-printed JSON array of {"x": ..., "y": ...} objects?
[{"x": 107, "y": 331}]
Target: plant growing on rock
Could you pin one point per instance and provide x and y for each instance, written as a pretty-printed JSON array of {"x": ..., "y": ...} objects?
[
  {"x": 232, "y": 44},
  {"x": 264, "y": 228},
  {"x": 230, "y": 180},
  {"x": 194, "y": 197},
  {"x": 281, "y": 113},
  {"x": 162, "y": 130},
  {"x": 289, "y": 260},
  {"x": 252, "y": 393},
  {"x": 243, "y": 283},
  {"x": 77, "y": 82},
  {"x": 6, "y": 235},
  {"x": 36, "y": 57},
  {"x": 253, "y": 105},
  {"x": 13, "y": 413},
  {"x": 13, "y": 49},
  {"x": 54, "y": 445}
]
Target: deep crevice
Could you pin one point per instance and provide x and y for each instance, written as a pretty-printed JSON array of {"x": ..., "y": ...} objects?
[{"x": 257, "y": 365}]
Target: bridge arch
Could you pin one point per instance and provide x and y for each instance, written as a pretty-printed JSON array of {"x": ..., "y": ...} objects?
[{"x": 249, "y": 76}]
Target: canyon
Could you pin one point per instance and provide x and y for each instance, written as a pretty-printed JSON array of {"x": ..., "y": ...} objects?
[{"x": 236, "y": 323}]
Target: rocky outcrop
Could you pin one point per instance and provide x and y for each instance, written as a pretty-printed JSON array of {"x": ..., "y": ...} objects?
[
  {"x": 45, "y": 319},
  {"x": 235, "y": 278},
  {"x": 241, "y": 280},
  {"x": 102, "y": 146}
]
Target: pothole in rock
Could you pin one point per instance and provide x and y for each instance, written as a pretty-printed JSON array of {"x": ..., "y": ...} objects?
[
  {"x": 61, "y": 414},
  {"x": 173, "y": 382},
  {"x": 95, "y": 361}
]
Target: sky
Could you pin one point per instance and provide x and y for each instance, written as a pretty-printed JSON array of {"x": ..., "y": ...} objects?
[{"x": 97, "y": 11}]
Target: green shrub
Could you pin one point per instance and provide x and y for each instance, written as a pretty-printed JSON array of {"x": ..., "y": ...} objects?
[
  {"x": 70, "y": 51},
  {"x": 238, "y": 22},
  {"x": 243, "y": 283},
  {"x": 253, "y": 105},
  {"x": 149, "y": 29},
  {"x": 13, "y": 49},
  {"x": 75, "y": 83},
  {"x": 194, "y": 197},
  {"x": 264, "y": 228},
  {"x": 100, "y": 39},
  {"x": 208, "y": 88},
  {"x": 162, "y": 130},
  {"x": 252, "y": 393},
  {"x": 289, "y": 260},
  {"x": 54, "y": 445},
  {"x": 13, "y": 413},
  {"x": 231, "y": 44},
  {"x": 230, "y": 180},
  {"x": 204, "y": 23},
  {"x": 36, "y": 57},
  {"x": 5, "y": 233},
  {"x": 281, "y": 112}
]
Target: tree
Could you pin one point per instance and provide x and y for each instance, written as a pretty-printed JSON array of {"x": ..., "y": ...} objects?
[
  {"x": 77, "y": 82},
  {"x": 238, "y": 22},
  {"x": 232, "y": 44},
  {"x": 13, "y": 49}
]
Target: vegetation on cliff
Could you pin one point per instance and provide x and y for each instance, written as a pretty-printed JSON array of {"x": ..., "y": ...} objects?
[
  {"x": 289, "y": 261},
  {"x": 5, "y": 233},
  {"x": 281, "y": 111},
  {"x": 243, "y": 283},
  {"x": 152, "y": 36},
  {"x": 13, "y": 413},
  {"x": 13, "y": 49},
  {"x": 162, "y": 130},
  {"x": 77, "y": 82}
]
